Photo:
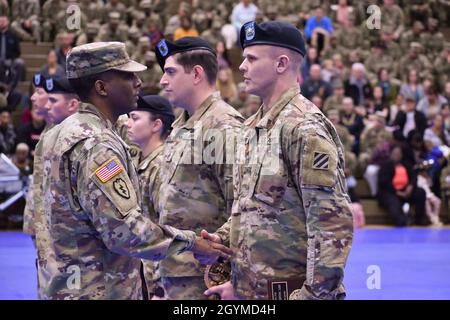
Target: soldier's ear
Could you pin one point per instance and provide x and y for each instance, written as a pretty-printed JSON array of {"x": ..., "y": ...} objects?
[
  {"x": 282, "y": 63},
  {"x": 100, "y": 88}
]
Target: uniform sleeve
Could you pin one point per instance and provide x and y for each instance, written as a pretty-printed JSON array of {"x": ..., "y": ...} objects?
[
  {"x": 105, "y": 191},
  {"x": 317, "y": 169},
  {"x": 224, "y": 174},
  {"x": 28, "y": 213}
]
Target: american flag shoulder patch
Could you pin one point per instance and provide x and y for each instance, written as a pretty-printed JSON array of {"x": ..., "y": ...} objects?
[
  {"x": 321, "y": 161},
  {"x": 109, "y": 170}
]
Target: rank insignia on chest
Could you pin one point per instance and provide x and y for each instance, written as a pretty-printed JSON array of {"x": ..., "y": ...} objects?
[
  {"x": 321, "y": 161},
  {"x": 109, "y": 170}
]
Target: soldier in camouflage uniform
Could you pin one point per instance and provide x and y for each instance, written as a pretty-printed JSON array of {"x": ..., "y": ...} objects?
[
  {"x": 377, "y": 60},
  {"x": 433, "y": 40},
  {"x": 26, "y": 19},
  {"x": 196, "y": 183},
  {"x": 414, "y": 60},
  {"x": 50, "y": 9},
  {"x": 39, "y": 101},
  {"x": 335, "y": 100},
  {"x": 114, "y": 30},
  {"x": 150, "y": 77},
  {"x": 291, "y": 220},
  {"x": 372, "y": 135},
  {"x": 148, "y": 127},
  {"x": 442, "y": 65},
  {"x": 91, "y": 232},
  {"x": 412, "y": 35},
  {"x": 392, "y": 19}
]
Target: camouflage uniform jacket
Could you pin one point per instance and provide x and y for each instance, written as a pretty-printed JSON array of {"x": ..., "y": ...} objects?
[
  {"x": 28, "y": 212},
  {"x": 149, "y": 183},
  {"x": 291, "y": 217},
  {"x": 92, "y": 232},
  {"x": 195, "y": 194}
]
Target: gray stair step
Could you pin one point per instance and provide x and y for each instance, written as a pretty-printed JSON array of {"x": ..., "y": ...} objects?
[
  {"x": 34, "y": 60},
  {"x": 35, "y": 48}
]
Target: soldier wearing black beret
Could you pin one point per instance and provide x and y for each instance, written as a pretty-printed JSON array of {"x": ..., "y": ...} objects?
[
  {"x": 196, "y": 193},
  {"x": 62, "y": 99},
  {"x": 148, "y": 126},
  {"x": 290, "y": 212}
]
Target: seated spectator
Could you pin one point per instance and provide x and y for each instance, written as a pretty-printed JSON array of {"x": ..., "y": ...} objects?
[
  {"x": 65, "y": 45},
  {"x": 310, "y": 59},
  {"x": 412, "y": 86},
  {"x": 378, "y": 105},
  {"x": 358, "y": 87},
  {"x": 436, "y": 134},
  {"x": 185, "y": 30},
  {"x": 341, "y": 13},
  {"x": 395, "y": 108},
  {"x": 431, "y": 104},
  {"x": 30, "y": 133},
  {"x": 432, "y": 203},
  {"x": 409, "y": 120},
  {"x": 397, "y": 185},
  {"x": 317, "y": 101},
  {"x": 243, "y": 12},
  {"x": 314, "y": 85},
  {"x": 373, "y": 134},
  {"x": 10, "y": 56},
  {"x": 22, "y": 160},
  {"x": 353, "y": 122},
  {"x": 318, "y": 29},
  {"x": 222, "y": 55},
  {"x": 7, "y": 133},
  {"x": 335, "y": 100},
  {"x": 390, "y": 87},
  {"x": 52, "y": 68},
  {"x": 153, "y": 33},
  {"x": 226, "y": 85},
  {"x": 239, "y": 102}
]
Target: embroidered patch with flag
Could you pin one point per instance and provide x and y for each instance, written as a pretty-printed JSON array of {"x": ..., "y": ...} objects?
[
  {"x": 321, "y": 161},
  {"x": 108, "y": 170}
]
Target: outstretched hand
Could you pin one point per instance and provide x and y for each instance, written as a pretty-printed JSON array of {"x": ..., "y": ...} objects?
[{"x": 207, "y": 251}]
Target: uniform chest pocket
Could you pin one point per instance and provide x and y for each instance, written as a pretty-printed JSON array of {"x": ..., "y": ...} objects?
[{"x": 271, "y": 179}]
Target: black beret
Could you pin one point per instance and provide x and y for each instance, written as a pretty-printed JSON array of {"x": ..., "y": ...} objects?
[
  {"x": 272, "y": 33},
  {"x": 39, "y": 81},
  {"x": 165, "y": 48},
  {"x": 156, "y": 105},
  {"x": 58, "y": 85}
]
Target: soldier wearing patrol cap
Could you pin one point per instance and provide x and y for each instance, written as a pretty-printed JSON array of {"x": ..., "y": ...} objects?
[
  {"x": 148, "y": 127},
  {"x": 91, "y": 232},
  {"x": 196, "y": 183},
  {"x": 291, "y": 226}
]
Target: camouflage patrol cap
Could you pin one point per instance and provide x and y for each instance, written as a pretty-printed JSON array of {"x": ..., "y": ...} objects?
[{"x": 96, "y": 57}]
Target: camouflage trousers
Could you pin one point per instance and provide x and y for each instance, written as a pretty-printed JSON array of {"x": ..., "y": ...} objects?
[{"x": 183, "y": 288}]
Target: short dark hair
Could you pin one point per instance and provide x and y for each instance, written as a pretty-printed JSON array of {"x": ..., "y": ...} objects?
[
  {"x": 204, "y": 58},
  {"x": 84, "y": 85},
  {"x": 166, "y": 121}
]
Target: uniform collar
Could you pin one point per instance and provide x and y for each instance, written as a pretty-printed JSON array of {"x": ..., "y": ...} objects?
[
  {"x": 265, "y": 121},
  {"x": 184, "y": 121},
  {"x": 146, "y": 161},
  {"x": 90, "y": 108}
]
